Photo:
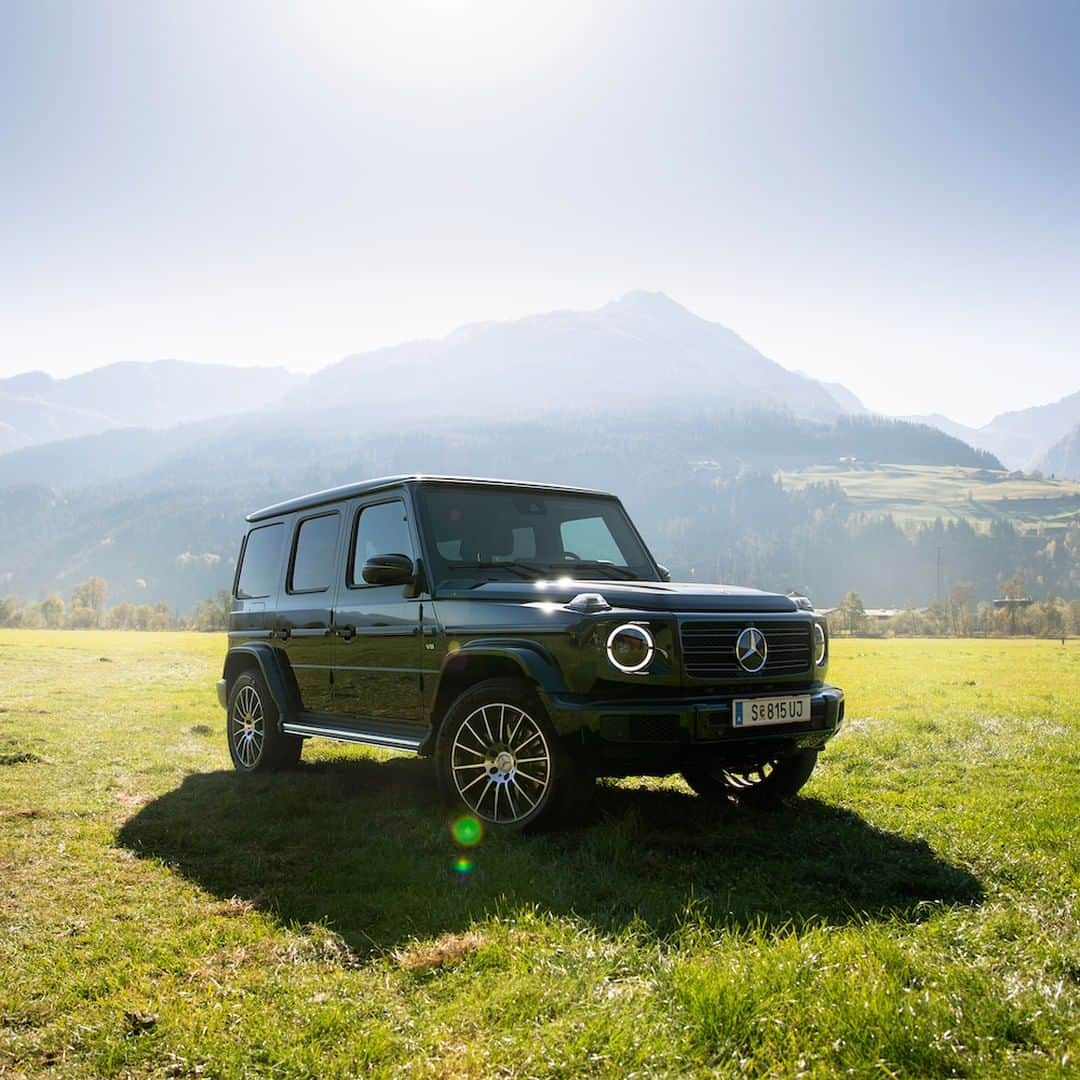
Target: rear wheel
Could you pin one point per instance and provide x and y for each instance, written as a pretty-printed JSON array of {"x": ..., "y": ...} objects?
[
  {"x": 255, "y": 743},
  {"x": 760, "y": 785},
  {"x": 499, "y": 758}
]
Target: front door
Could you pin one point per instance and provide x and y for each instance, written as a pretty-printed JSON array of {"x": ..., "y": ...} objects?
[
  {"x": 378, "y": 648},
  {"x": 304, "y": 618}
]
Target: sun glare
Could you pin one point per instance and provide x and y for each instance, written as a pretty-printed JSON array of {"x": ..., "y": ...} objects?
[{"x": 470, "y": 39}]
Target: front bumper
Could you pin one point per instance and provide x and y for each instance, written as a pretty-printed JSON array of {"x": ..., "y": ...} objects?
[{"x": 687, "y": 728}]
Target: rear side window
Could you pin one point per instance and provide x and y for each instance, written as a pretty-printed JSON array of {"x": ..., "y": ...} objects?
[
  {"x": 313, "y": 556},
  {"x": 260, "y": 562},
  {"x": 381, "y": 529}
]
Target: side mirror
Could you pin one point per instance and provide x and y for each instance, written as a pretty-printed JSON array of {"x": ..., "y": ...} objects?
[
  {"x": 665, "y": 573},
  {"x": 388, "y": 570}
]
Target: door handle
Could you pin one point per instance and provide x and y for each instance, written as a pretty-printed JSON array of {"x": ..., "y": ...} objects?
[{"x": 346, "y": 632}]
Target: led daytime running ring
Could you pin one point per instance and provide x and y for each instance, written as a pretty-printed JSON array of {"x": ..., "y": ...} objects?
[{"x": 646, "y": 637}]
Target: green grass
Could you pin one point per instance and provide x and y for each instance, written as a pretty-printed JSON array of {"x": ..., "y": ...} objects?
[
  {"x": 917, "y": 493},
  {"x": 914, "y": 914}
]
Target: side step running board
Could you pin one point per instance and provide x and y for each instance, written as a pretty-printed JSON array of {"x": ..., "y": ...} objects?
[{"x": 365, "y": 738}]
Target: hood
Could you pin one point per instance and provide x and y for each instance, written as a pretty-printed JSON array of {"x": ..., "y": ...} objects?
[{"x": 635, "y": 595}]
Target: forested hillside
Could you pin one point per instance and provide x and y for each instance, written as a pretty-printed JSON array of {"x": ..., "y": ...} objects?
[{"x": 162, "y": 520}]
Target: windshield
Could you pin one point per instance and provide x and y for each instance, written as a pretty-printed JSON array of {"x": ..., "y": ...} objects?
[{"x": 504, "y": 533}]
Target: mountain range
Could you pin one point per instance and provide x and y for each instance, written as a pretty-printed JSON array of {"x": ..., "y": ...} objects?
[
  {"x": 36, "y": 408},
  {"x": 641, "y": 351},
  {"x": 142, "y": 472},
  {"x": 1023, "y": 438}
]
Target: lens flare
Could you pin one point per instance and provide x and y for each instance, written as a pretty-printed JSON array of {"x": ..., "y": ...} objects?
[
  {"x": 463, "y": 864},
  {"x": 467, "y": 830}
]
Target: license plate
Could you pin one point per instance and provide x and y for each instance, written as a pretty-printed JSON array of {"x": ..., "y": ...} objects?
[{"x": 753, "y": 712}]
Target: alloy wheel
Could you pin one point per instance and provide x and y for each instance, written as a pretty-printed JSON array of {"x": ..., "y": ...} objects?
[
  {"x": 501, "y": 763},
  {"x": 247, "y": 727}
]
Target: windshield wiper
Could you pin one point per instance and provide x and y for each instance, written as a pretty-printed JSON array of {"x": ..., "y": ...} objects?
[
  {"x": 533, "y": 571},
  {"x": 521, "y": 567},
  {"x": 608, "y": 569}
]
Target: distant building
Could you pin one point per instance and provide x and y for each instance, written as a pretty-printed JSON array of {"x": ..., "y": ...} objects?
[{"x": 879, "y": 613}]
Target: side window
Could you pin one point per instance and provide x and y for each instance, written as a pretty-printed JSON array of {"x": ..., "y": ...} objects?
[
  {"x": 313, "y": 556},
  {"x": 590, "y": 538},
  {"x": 260, "y": 563},
  {"x": 381, "y": 529}
]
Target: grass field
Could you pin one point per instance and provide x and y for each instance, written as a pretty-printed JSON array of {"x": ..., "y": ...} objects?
[
  {"x": 917, "y": 493},
  {"x": 916, "y": 913}
]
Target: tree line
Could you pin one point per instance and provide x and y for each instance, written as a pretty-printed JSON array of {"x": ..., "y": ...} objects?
[
  {"x": 88, "y": 610},
  {"x": 959, "y": 616}
]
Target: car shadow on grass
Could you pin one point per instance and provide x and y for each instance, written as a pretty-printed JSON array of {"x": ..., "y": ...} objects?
[{"x": 365, "y": 847}]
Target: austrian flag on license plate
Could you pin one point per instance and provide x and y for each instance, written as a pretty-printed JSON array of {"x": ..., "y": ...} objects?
[{"x": 751, "y": 712}]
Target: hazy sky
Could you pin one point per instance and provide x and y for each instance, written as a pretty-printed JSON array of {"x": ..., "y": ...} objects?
[{"x": 886, "y": 194}]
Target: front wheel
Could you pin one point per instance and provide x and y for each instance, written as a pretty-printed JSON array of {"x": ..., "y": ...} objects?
[
  {"x": 255, "y": 743},
  {"x": 499, "y": 758},
  {"x": 760, "y": 785}
]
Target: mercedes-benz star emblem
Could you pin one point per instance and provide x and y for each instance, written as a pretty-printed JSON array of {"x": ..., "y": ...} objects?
[{"x": 751, "y": 649}]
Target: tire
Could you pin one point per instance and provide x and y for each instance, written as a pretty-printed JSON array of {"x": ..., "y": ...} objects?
[
  {"x": 761, "y": 786},
  {"x": 251, "y": 728},
  {"x": 499, "y": 759}
]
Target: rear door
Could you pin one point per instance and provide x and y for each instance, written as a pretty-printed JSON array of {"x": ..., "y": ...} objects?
[
  {"x": 304, "y": 619},
  {"x": 378, "y": 652}
]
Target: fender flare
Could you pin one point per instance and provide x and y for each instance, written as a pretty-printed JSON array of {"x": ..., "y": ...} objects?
[
  {"x": 274, "y": 669},
  {"x": 534, "y": 661}
]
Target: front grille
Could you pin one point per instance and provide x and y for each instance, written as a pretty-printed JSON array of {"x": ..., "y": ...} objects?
[{"x": 709, "y": 649}]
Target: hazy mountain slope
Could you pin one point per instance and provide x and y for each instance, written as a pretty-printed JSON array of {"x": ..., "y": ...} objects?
[
  {"x": 36, "y": 408},
  {"x": 1018, "y": 438},
  {"x": 1063, "y": 458},
  {"x": 1026, "y": 434},
  {"x": 950, "y": 427},
  {"x": 845, "y": 398},
  {"x": 306, "y": 449},
  {"x": 104, "y": 458},
  {"x": 643, "y": 350},
  {"x": 30, "y": 421},
  {"x": 640, "y": 350}
]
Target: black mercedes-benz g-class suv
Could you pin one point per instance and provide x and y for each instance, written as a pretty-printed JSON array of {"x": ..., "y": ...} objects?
[{"x": 524, "y": 636}]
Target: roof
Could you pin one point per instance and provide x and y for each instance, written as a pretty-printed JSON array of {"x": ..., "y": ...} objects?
[{"x": 366, "y": 487}]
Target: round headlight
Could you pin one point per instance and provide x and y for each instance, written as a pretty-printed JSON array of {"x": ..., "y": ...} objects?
[
  {"x": 819, "y": 644},
  {"x": 630, "y": 648}
]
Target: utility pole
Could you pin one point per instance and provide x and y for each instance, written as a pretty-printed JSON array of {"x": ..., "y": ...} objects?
[{"x": 940, "y": 577}]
